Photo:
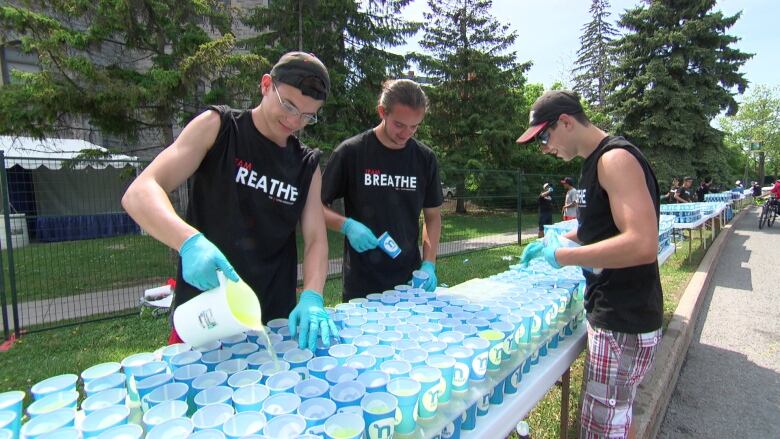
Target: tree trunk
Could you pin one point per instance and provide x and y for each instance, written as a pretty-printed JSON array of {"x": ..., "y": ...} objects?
[
  {"x": 761, "y": 168},
  {"x": 460, "y": 190}
]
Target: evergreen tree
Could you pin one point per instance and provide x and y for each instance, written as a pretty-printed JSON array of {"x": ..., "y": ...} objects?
[
  {"x": 676, "y": 72},
  {"x": 473, "y": 116},
  {"x": 120, "y": 67},
  {"x": 594, "y": 58},
  {"x": 351, "y": 38}
]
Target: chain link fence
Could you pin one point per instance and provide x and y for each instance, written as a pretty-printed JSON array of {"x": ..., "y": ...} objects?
[{"x": 71, "y": 254}]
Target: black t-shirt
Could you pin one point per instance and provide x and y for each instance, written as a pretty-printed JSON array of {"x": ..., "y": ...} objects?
[
  {"x": 684, "y": 193},
  {"x": 701, "y": 192},
  {"x": 624, "y": 299},
  {"x": 247, "y": 197},
  {"x": 756, "y": 190},
  {"x": 385, "y": 189},
  {"x": 545, "y": 205}
]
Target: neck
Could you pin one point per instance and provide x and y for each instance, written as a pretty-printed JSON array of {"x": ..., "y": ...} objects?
[
  {"x": 379, "y": 131},
  {"x": 261, "y": 123},
  {"x": 591, "y": 138}
]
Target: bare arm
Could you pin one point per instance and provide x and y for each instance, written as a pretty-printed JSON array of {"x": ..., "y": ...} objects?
[
  {"x": 146, "y": 200},
  {"x": 679, "y": 199},
  {"x": 333, "y": 219},
  {"x": 315, "y": 253},
  {"x": 431, "y": 233},
  {"x": 633, "y": 212}
]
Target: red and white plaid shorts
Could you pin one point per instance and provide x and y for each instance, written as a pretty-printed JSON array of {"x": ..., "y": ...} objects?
[{"x": 616, "y": 364}]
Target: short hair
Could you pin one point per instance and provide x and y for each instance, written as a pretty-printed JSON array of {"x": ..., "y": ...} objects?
[
  {"x": 688, "y": 179},
  {"x": 581, "y": 117},
  {"x": 404, "y": 92}
]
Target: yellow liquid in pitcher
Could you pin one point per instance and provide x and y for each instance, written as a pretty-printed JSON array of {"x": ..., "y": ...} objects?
[{"x": 245, "y": 308}]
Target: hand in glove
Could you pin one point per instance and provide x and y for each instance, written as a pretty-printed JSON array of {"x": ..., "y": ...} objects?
[
  {"x": 200, "y": 260},
  {"x": 430, "y": 284},
  {"x": 311, "y": 318},
  {"x": 360, "y": 237}
]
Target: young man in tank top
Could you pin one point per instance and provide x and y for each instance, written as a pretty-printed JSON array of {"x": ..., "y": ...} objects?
[
  {"x": 618, "y": 210},
  {"x": 252, "y": 182},
  {"x": 386, "y": 178}
]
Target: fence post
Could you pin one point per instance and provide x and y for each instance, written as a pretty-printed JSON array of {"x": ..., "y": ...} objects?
[
  {"x": 10, "y": 249},
  {"x": 519, "y": 208},
  {"x": 3, "y": 302}
]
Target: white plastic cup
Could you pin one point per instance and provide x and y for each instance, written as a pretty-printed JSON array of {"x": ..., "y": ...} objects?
[
  {"x": 379, "y": 414},
  {"x": 165, "y": 393},
  {"x": 104, "y": 399},
  {"x": 245, "y": 378},
  {"x": 99, "y": 371},
  {"x": 59, "y": 383},
  {"x": 347, "y": 393},
  {"x": 227, "y": 310},
  {"x": 258, "y": 359},
  {"x": 272, "y": 368},
  {"x": 298, "y": 357},
  {"x": 281, "y": 404},
  {"x": 232, "y": 366},
  {"x": 49, "y": 422},
  {"x": 52, "y": 402},
  {"x": 185, "y": 359},
  {"x": 170, "y": 351},
  {"x": 212, "y": 416},
  {"x": 250, "y": 398},
  {"x": 13, "y": 401},
  {"x": 361, "y": 362},
  {"x": 339, "y": 374},
  {"x": 103, "y": 419},
  {"x": 242, "y": 425},
  {"x": 396, "y": 368},
  {"x": 342, "y": 351},
  {"x": 214, "y": 395},
  {"x": 283, "y": 382},
  {"x": 285, "y": 426},
  {"x": 113, "y": 381},
  {"x": 148, "y": 384},
  {"x": 243, "y": 350},
  {"x": 316, "y": 411},
  {"x": 163, "y": 412},
  {"x": 374, "y": 380}
]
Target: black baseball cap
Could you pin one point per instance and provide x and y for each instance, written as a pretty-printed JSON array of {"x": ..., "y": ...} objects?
[
  {"x": 547, "y": 109},
  {"x": 294, "y": 68},
  {"x": 568, "y": 180}
]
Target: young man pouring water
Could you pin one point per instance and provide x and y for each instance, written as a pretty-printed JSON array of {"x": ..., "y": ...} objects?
[
  {"x": 618, "y": 210},
  {"x": 252, "y": 182}
]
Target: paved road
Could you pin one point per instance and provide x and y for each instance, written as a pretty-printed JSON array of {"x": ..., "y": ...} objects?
[{"x": 729, "y": 386}]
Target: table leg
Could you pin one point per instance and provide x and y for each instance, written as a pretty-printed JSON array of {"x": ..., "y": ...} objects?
[
  {"x": 565, "y": 404},
  {"x": 690, "y": 246}
]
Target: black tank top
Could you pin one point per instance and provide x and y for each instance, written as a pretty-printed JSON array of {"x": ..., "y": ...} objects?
[
  {"x": 247, "y": 197},
  {"x": 624, "y": 299}
]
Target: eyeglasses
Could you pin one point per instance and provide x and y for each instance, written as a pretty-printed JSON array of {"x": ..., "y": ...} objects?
[
  {"x": 308, "y": 118},
  {"x": 544, "y": 136}
]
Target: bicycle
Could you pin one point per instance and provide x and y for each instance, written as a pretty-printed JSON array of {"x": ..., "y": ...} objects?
[{"x": 768, "y": 213}]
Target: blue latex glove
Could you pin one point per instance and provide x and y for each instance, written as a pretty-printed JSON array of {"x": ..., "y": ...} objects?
[
  {"x": 312, "y": 319},
  {"x": 360, "y": 237},
  {"x": 430, "y": 284},
  {"x": 532, "y": 251},
  {"x": 200, "y": 260},
  {"x": 549, "y": 252}
]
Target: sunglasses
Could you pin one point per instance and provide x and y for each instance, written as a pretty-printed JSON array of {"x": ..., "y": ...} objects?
[{"x": 544, "y": 137}]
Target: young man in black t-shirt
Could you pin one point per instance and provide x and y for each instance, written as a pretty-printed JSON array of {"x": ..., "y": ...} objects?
[
  {"x": 684, "y": 194},
  {"x": 252, "y": 182},
  {"x": 618, "y": 213},
  {"x": 386, "y": 178}
]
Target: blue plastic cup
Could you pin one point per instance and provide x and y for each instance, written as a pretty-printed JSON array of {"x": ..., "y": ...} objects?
[
  {"x": 316, "y": 411},
  {"x": 342, "y": 351},
  {"x": 213, "y": 434},
  {"x": 468, "y": 330},
  {"x": 232, "y": 366},
  {"x": 379, "y": 411},
  {"x": 146, "y": 385},
  {"x": 187, "y": 374},
  {"x": 213, "y": 358},
  {"x": 312, "y": 387},
  {"x": 432, "y": 328},
  {"x": 361, "y": 362},
  {"x": 233, "y": 340},
  {"x": 52, "y": 402},
  {"x": 415, "y": 356},
  {"x": 374, "y": 380},
  {"x": 208, "y": 379},
  {"x": 372, "y": 328},
  {"x": 49, "y": 422},
  {"x": 171, "y": 351},
  {"x": 250, "y": 398},
  {"x": 364, "y": 342},
  {"x": 434, "y": 347},
  {"x": 285, "y": 333},
  {"x": 402, "y": 345},
  {"x": 280, "y": 404},
  {"x": 430, "y": 380},
  {"x": 113, "y": 381},
  {"x": 243, "y": 350},
  {"x": 418, "y": 278},
  {"x": 452, "y": 338},
  {"x": 285, "y": 426},
  {"x": 7, "y": 422},
  {"x": 508, "y": 330},
  {"x": 103, "y": 419},
  {"x": 298, "y": 357},
  {"x": 523, "y": 335},
  {"x": 345, "y": 426},
  {"x": 61, "y": 433},
  {"x": 452, "y": 430},
  {"x": 164, "y": 411},
  {"x": 407, "y": 392},
  {"x": 130, "y": 365},
  {"x": 104, "y": 399},
  {"x": 126, "y": 431},
  {"x": 347, "y": 335},
  {"x": 347, "y": 393},
  {"x": 272, "y": 368},
  {"x": 208, "y": 347},
  {"x": 99, "y": 371},
  {"x": 212, "y": 416},
  {"x": 479, "y": 363},
  {"x": 245, "y": 378},
  {"x": 469, "y": 418},
  {"x": 396, "y": 368},
  {"x": 355, "y": 322},
  {"x": 59, "y": 383},
  {"x": 497, "y": 395},
  {"x": 272, "y": 337},
  {"x": 173, "y": 428},
  {"x": 538, "y": 311},
  {"x": 339, "y": 374},
  {"x": 318, "y": 366},
  {"x": 185, "y": 358},
  {"x": 389, "y": 323},
  {"x": 166, "y": 392},
  {"x": 513, "y": 380},
  {"x": 244, "y": 424},
  {"x": 446, "y": 366},
  {"x": 13, "y": 401},
  {"x": 214, "y": 395},
  {"x": 483, "y": 404},
  {"x": 382, "y": 353},
  {"x": 420, "y": 336},
  {"x": 462, "y": 368},
  {"x": 495, "y": 349},
  {"x": 258, "y": 359},
  {"x": 283, "y": 382}
]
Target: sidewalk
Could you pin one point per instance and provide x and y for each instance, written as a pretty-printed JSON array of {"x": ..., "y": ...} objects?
[
  {"x": 84, "y": 305},
  {"x": 729, "y": 386}
]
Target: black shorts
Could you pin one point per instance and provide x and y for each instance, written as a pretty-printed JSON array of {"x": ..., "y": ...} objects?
[{"x": 545, "y": 219}]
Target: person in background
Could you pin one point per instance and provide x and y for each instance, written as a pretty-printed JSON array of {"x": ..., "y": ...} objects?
[
  {"x": 669, "y": 196},
  {"x": 704, "y": 189},
  {"x": 386, "y": 178},
  {"x": 683, "y": 194},
  {"x": 253, "y": 181},
  {"x": 617, "y": 219},
  {"x": 569, "y": 209},
  {"x": 545, "y": 208},
  {"x": 756, "y": 189}
]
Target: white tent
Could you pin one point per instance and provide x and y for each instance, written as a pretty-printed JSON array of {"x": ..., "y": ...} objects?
[{"x": 31, "y": 153}]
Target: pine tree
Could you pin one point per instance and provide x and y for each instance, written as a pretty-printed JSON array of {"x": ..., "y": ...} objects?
[
  {"x": 594, "y": 58},
  {"x": 475, "y": 78},
  {"x": 352, "y": 39},
  {"x": 676, "y": 72},
  {"x": 123, "y": 68}
]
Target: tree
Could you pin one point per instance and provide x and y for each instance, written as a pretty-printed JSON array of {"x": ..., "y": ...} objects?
[
  {"x": 676, "y": 72},
  {"x": 351, "y": 38},
  {"x": 472, "y": 120},
  {"x": 120, "y": 67},
  {"x": 595, "y": 58},
  {"x": 754, "y": 132}
]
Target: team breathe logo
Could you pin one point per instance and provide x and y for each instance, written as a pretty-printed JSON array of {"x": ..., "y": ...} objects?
[
  {"x": 375, "y": 178},
  {"x": 276, "y": 190},
  {"x": 581, "y": 198}
]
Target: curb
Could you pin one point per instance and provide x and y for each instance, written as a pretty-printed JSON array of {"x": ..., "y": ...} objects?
[{"x": 655, "y": 391}]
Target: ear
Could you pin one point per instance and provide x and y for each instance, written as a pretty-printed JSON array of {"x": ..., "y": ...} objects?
[
  {"x": 380, "y": 109},
  {"x": 265, "y": 84}
]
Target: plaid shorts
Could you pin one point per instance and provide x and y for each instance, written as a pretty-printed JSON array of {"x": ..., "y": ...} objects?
[{"x": 616, "y": 364}]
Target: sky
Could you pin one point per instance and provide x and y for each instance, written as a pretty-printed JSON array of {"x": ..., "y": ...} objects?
[{"x": 549, "y": 31}]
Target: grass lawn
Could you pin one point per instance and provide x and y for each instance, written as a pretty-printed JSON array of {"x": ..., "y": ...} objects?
[{"x": 73, "y": 349}]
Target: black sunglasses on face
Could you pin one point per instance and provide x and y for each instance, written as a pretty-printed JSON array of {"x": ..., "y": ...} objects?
[{"x": 544, "y": 136}]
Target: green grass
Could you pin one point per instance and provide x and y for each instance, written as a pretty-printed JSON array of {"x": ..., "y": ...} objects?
[{"x": 70, "y": 350}]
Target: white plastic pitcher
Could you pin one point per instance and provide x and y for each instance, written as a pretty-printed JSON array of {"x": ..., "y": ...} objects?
[{"x": 225, "y": 311}]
